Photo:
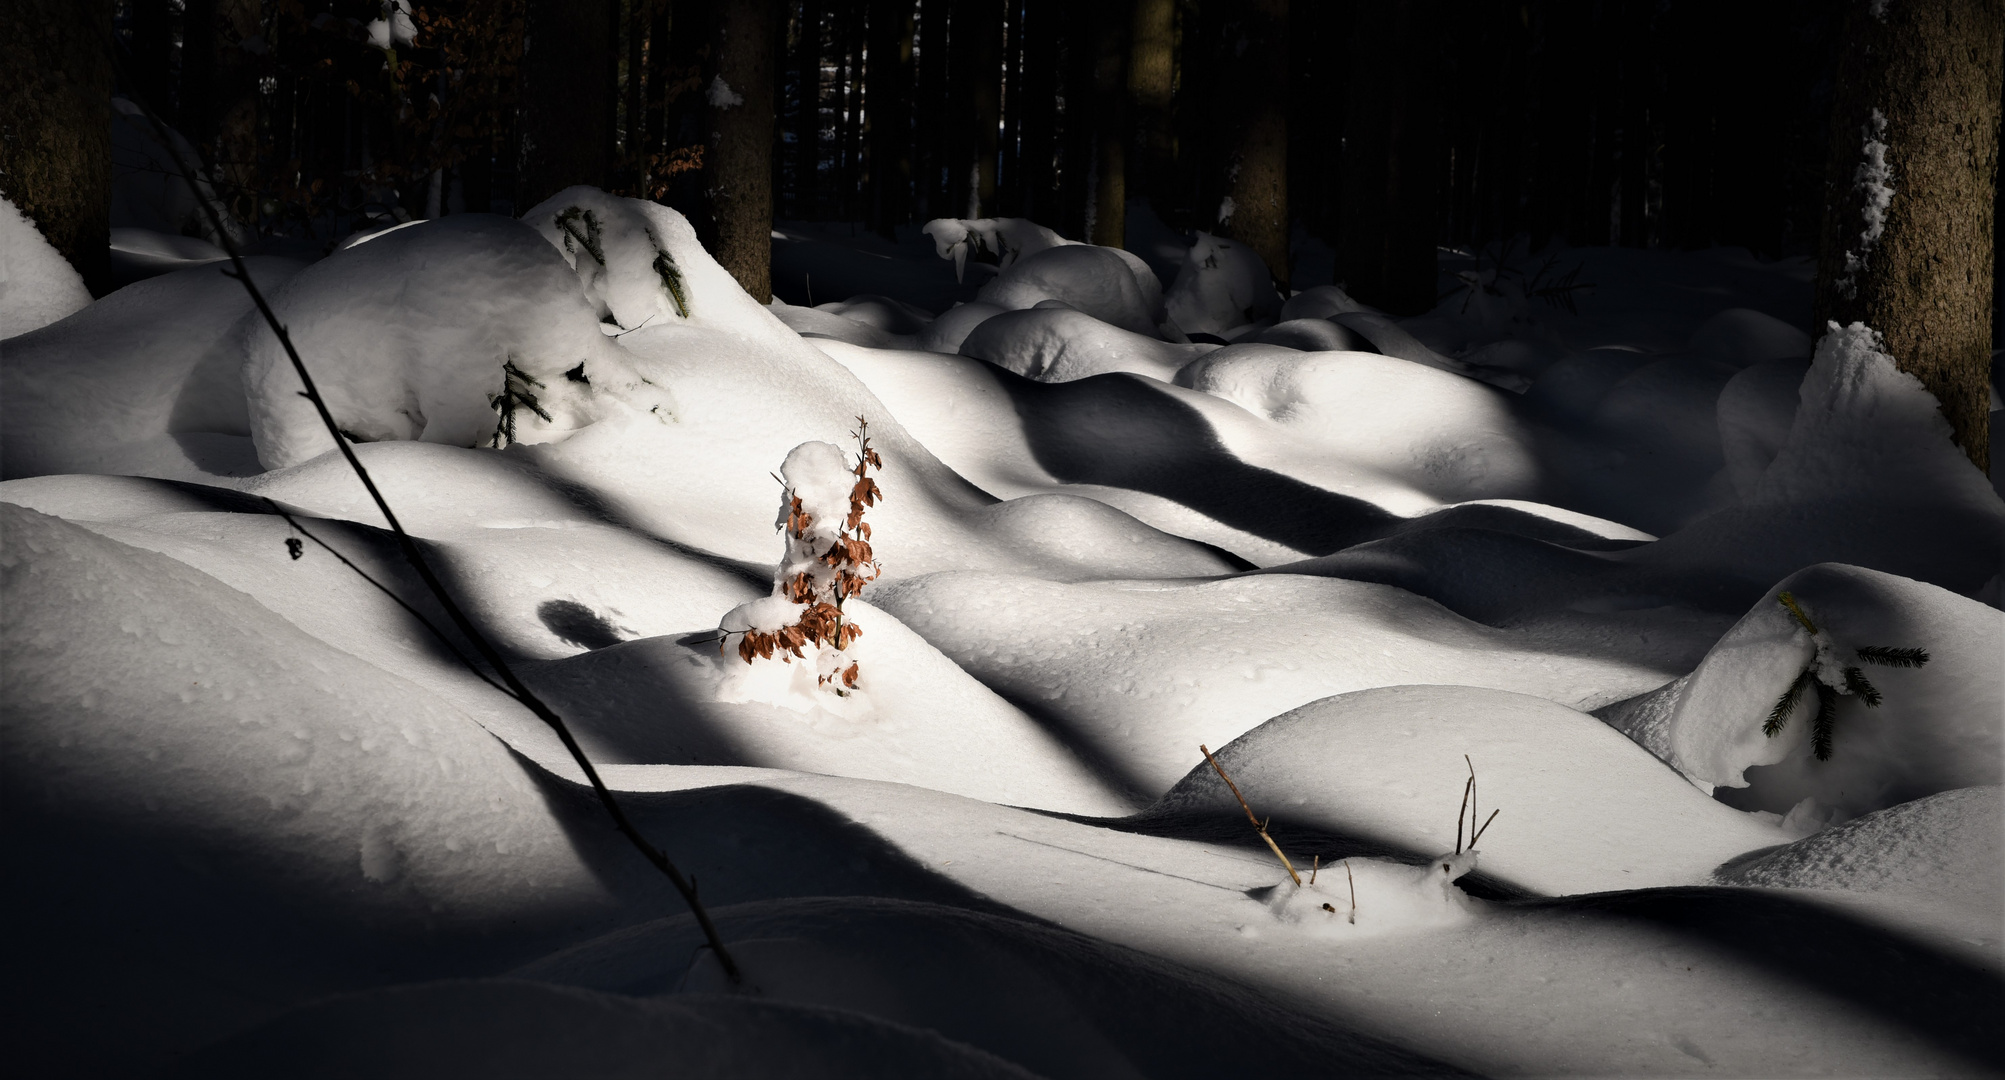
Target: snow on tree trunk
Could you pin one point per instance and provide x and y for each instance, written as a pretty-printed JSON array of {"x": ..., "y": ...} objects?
[
  {"x": 1909, "y": 195},
  {"x": 739, "y": 170},
  {"x": 55, "y": 132}
]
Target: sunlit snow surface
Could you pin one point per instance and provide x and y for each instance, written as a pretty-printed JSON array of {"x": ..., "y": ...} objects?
[{"x": 264, "y": 823}]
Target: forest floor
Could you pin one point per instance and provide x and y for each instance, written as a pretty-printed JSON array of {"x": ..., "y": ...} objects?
[{"x": 1542, "y": 562}]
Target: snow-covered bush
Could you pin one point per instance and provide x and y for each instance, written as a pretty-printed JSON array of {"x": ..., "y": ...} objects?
[
  {"x": 1106, "y": 283},
  {"x": 620, "y": 250},
  {"x": 467, "y": 331},
  {"x": 1936, "y": 728},
  {"x": 827, "y": 561},
  {"x": 1222, "y": 285}
]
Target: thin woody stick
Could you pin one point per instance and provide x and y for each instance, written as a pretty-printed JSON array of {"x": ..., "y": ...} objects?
[
  {"x": 1462, "y": 811},
  {"x": 1485, "y": 828},
  {"x": 1354, "y": 891},
  {"x": 1313, "y": 868},
  {"x": 1257, "y": 827}
]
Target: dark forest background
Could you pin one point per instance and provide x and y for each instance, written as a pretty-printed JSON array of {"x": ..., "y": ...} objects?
[{"x": 1679, "y": 123}]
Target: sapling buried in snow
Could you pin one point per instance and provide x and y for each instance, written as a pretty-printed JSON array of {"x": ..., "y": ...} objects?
[
  {"x": 1829, "y": 678},
  {"x": 828, "y": 560}
]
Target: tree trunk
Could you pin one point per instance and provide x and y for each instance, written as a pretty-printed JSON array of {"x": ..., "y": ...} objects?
[
  {"x": 1038, "y": 112},
  {"x": 567, "y": 102},
  {"x": 807, "y": 137},
  {"x": 740, "y": 159},
  {"x": 150, "y": 64},
  {"x": 1909, "y": 195},
  {"x": 890, "y": 95},
  {"x": 1151, "y": 70},
  {"x": 1386, "y": 250},
  {"x": 1258, "y": 184},
  {"x": 932, "y": 130},
  {"x": 219, "y": 98},
  {"x": 985, "y": 31},
  {"x": 55, "y": 132},
  {"x": 633, "y": 128},
  {"x": 1110, "y": 127}
]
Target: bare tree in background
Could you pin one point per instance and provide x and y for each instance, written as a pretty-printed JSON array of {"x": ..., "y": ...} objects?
[
  {"x": 1910, "y": 193},
  {"x": 55, "y": 131},
  {"x": 1151, "y": 70},
  {"x": 1391, "y": 132}
]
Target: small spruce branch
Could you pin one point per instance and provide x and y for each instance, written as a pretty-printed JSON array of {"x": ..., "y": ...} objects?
[
  {"x": 1785, "y": 706},
  {"x": 1857, "y": 683},
  {"x": 1886, "y": 656},
  {"x": 1822, "y": 724}
]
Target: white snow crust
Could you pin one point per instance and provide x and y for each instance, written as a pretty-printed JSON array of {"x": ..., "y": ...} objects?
[
  {"x": 37, "y": 285},
  {"x": 267, "y": 823}
]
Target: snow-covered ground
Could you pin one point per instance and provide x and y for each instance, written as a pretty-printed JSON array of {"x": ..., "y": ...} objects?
[{"x": 262, "y": 822}]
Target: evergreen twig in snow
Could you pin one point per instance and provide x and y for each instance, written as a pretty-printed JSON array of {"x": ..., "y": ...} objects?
[{"x": 1830, "y": 679}]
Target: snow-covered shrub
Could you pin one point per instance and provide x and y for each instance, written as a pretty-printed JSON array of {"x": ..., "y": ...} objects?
[
  {"x": 467, "y": 331},
  {"x": 1008, "y": 239},
  {"x": 827, "y": 561},
  {"x": 1222, "y": 285},
  {"x": 1939, "y": 728},
  {"x": 619, "y": 249}
]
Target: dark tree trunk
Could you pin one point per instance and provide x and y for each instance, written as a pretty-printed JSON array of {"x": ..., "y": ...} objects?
[
  {"x": 932, "y": 130},
  {"x": 985, "y": 32},
  {"x": 740, "y": 159},
  {"x": 55, "y": 132},
  {"x": 1038, "y": 115},
  {"x": 1110, "y": 127},
  {"x": 660, "y": 72},
  {"x": 633, "y": 138},
  {"x": 689, "y": 61},
  {"x": 1918, "y": 90},
  {"x": 849, "y": 121},
  {"x": 1151, "y": 71},
  {"x": 890, "y": 95},
  {"x": 1259, "y": 163},
  {"x": 1386, "y": 250},
  {"x": 807, "y": 138},
  {"x": 567, "y": 100}
]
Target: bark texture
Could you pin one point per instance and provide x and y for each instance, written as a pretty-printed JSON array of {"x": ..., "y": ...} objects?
[
  {"x": 55, "y": 129},
  {"x": 1258, "y": 184},
  {"x": 739, "y": 163},
  {"x": 568, "y": 101},
  {"x": 1110, "y": 127},
  {"x": 1151, "y": 81},
  {"x": 1392, "y": 138},
  {"x": 1916, "y": 115}
]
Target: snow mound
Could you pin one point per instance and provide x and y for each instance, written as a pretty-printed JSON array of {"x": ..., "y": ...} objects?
[
  {"x": 1742, "y": 336},
  {"x": 1046, "y": 998},
  {"x": 1140, "y": 673},
  {"x": 148, "y": 700},
  {"x": 1008, "y": 239},
  {"x": 147, "y": 188},
  {"x": 1312, "y": 335},
  {"x": 1222, "y": 286},
  {"x": 513, "y": 1028},
  {"x": 1055, "y": 343},
  {"x": 37, "y": 285},
  {"x": 146, "y": 381},
  {"x": 1867, "y": 476},
  {"x": 947, "y": 333},
  {"x": 914, "y": 717},
  {"x": 1940, "y": 726},
  {"x": 1581, "y": 808},
  {"x": 1319, "y": 302},
  {"x": 1756, "y": 409},
  {"x": 1946, "y": 848},
  {"x": 1446, "y": 435},
  {"x": 1107, "y": 283},
  {"x": 466, "y": 331}
]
